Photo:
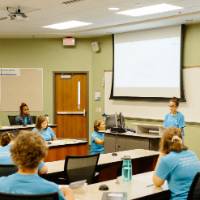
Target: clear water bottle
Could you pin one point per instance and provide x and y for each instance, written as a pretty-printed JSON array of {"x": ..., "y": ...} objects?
[{"x": 127, "y": 168}]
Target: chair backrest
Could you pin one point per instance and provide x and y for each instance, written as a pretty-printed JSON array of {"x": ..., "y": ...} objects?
[
  {"x": 80, "y": 168},
  {"x": 6, "y": 170},
  {"x": 194, "y": 193},
  {"x": 6, "y": 196},
  {"x": 12, "y": 120},
  {"x": 34, "y": 119}
]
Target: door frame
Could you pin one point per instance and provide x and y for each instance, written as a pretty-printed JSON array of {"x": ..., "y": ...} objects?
[{"x": 87, "y": 87}]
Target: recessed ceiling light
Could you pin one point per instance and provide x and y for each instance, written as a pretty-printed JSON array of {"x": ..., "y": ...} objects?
[
  {"x": 113, "y": 8},
  {"x": 150, "y": 10},
  {"x": 67, "y": 25}
]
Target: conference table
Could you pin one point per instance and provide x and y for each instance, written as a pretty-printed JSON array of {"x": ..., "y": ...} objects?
[
  {"x": 16, "y": 128},
  {"x": 109, "y": 166},
  {"x": 140, "y": 188},
  {"x": 60, "y": 148}
]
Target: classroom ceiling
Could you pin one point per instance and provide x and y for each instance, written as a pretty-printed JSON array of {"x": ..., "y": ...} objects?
[{"x": 104, "y": 21}]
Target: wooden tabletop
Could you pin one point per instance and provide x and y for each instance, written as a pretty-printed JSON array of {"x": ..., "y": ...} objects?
[
  {"x": 132, "y": 134},
  {"x": 64, "y": 142},
  {"x": 140, "y": 186},
  {"x": 58, "y": 166},
  {"x": 20, "y": 127}
]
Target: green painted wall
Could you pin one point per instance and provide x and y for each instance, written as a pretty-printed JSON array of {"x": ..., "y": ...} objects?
[{"x": 50, "y": 54}]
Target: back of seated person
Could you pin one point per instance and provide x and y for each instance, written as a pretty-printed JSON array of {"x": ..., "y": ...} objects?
[
  {"x": 24, "y": 117},
  {"x": 6, "y": 141},
  {"x": 42, "y": 129},
  {"x": 27, "y": 151},
  {"x": 176, "y": 164}
]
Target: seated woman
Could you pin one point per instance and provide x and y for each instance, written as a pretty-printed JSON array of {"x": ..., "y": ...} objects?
[
  {"x": 27, "y": 151},
  {"x": 24, "y": 118},
  {"x": 42, "y": 128},
  {"x": 97, "y": 137},
  {"x": 176, "y": 164},
  {"x": 6, "y": 141}
]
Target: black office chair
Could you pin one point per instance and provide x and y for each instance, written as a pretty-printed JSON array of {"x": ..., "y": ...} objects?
[
  {"x": 76, "y": 168},
  {"x": 80, "y": 168},
  {"x": 51, "y": 196},
  {"x": 34, "y": 118},
  {"x": 6, "y": 170},
  {"x": 11, "y": 119},
  {"x": 194, "y": 193}
]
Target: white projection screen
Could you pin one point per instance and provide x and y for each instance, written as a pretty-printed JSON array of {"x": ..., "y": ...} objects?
[{"x": 148, "y": 64}]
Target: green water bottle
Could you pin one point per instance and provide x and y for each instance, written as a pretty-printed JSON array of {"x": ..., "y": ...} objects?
[{"x": 126, "y": 169}]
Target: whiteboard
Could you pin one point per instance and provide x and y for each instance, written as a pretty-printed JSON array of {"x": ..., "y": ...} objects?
[
  {"x": 21, "y": 85},
  {"x": 157, "y": 110}
]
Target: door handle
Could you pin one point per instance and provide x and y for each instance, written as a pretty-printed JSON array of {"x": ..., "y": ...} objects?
[{"x": 72, "y": 112}]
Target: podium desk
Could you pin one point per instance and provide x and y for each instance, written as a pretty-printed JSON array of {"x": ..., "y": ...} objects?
[{"x": 130, "y": 140}]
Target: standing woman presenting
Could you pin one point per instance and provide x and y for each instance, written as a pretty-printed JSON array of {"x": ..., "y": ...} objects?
[
  {"x": 24, "y": 118},
  {"x": 174, "y": 118}
]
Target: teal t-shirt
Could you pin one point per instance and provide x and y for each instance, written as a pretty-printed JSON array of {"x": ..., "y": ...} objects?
[
  {"x": 176, "y": 120},
  {"x": 97, "y": 148},
  {"x": 28, "y": 184},
  {"x": 5, "y": 157},
  {"x": 47, "y": 133},
  {"x": 179, "y": 170}
]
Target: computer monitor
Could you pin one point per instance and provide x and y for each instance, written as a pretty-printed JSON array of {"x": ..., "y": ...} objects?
[{"x": 115, "y": 121}]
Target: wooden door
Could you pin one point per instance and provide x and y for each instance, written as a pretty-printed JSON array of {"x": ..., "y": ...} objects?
[{"x": 71, "y": 97}]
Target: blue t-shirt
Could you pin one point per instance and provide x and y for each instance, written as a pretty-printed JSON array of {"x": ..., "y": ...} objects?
[
  {"x": 23, "y": 120},
  {"x": 5, "y": 157},
  {"x": 28, "y": 184},
  {"x": 47, "y": 133},
  {"x": 176, "y": 120},
  {"x": 97, "y": 148},
  {"x": 179, "y": 170}
]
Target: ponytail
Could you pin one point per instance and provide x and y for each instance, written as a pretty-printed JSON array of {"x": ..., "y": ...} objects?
[
  {"x": 172, "y": 141},
  {"x": 177, "y": 144}
]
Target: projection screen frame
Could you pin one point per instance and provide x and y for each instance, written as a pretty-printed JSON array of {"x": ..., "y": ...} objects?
[{"x": 182, "y": 93}]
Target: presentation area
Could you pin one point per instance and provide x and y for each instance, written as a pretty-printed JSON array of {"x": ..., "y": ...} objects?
[{"x": 148, "y": 63}]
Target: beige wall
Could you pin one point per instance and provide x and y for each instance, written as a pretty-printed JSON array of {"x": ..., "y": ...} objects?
[{"x": 50, "y": 54}]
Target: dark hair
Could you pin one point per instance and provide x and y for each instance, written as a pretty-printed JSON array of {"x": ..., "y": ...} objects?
[
  {"x": 21, "y": 108},
  {"x": 6, "y": 138},
  {"x": 97, "y": 123},
  {"x": 28, "y": 150},
  {"x": 175, "y": 100},
  {"x": 172, "y": 141},
  {"x": 39, "y": 121}
]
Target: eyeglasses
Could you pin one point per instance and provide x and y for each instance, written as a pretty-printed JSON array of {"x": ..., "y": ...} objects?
[{"x": 171, "y": 106}]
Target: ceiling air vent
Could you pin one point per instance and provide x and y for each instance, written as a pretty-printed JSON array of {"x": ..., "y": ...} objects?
[{"x": 67, "y": 2}]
